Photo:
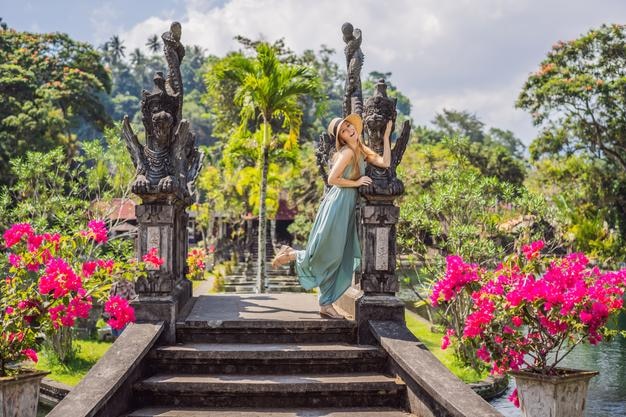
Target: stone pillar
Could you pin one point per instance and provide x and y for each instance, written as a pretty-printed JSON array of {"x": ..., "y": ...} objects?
[
  {"x": 165, "y": 290},
  {"x": 377, "y": 278}
]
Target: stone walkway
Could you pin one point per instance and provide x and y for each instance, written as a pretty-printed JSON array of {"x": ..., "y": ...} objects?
[{"x": 280, "y": 306}]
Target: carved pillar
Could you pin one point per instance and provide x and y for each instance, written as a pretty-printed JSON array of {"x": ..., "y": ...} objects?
[
  {"x": 377, "y": 220},
  {"x": 163, "y": 293},
  {"x": 377, "y": 278}
]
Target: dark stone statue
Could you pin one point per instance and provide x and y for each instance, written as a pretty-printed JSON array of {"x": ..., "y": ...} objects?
[
  {"x": 168, "y": 164},
  {"x": 379, "y": 109},
  {"x": 352, "y": 98},
  {"x": 353, "y": 95},
  {"x": 167, "y": 167}
]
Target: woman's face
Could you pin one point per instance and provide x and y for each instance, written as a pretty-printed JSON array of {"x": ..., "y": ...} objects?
[{"x": 348, "y": 134}]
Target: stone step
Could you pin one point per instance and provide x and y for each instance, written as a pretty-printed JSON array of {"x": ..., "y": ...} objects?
[
  {"x": 243, "y": 288},
  {"x": 273, "y": 412},
  {"x": 250, "y": 280},
  {"x": 273, "y": 288},
  {"x": 288, "y": 391},
  {"x": 277, "y": 281},
  {"x": 247, "y": 358},
  {"x": 267, "y": 331}
]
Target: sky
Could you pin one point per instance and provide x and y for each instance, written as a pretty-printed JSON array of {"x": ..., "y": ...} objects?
[{"x": 469, "y": 55}]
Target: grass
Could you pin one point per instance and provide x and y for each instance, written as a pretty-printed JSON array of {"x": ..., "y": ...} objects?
[
  {"x": 88, "y": 353},
  {"x": 421, "y": 329}
]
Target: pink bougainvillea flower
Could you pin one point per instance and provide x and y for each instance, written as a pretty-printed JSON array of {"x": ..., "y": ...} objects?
[
  {"x": 34, "y": 242},
  {"x": 97, "y": 231},
  {"x": 89, "y": 267},
  {"x": 458, "y": 275},
  {"x": 120, "y": 311},
  {"x": 30, "y": 354},
  {"x": 532, "y": 251},
  {"x": 152, "y": 258},
  {"x": 106, "y": 264},
  {"x": 15, "y": 259},
  {"x": 59, "y": 278},
  {"x": 514, "y": 398},
  {"x": 14, "y": 234},
  {"x": 445, "y": 340}
]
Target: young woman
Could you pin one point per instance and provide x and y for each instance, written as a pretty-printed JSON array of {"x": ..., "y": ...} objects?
[{"x": 332, "y": 252}]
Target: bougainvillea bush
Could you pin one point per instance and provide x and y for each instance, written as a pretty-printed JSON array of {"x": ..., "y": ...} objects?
[
  {"x": 196, "y": 263},
  {"x": 531, "y": 310},
  {"x": 51, "y": 280}
]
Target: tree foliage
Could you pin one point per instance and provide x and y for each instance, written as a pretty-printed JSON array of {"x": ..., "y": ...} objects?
[
  {"x": 50, "y": 85},
  {"x": 578, "y": 96}
]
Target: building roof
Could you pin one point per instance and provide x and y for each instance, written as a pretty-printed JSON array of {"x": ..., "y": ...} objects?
[{"x": 115, "y": 209}]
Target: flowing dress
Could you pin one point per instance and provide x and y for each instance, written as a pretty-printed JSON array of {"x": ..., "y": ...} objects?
[{"x": 332, "y": 252}]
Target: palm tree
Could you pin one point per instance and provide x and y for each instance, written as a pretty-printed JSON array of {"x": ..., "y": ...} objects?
[
  {"x": 153, "y": 44},
  {"x": 115, "y": 47},
  {"x": 267, "y": 91},
  {"x": 137, "y": 58}
]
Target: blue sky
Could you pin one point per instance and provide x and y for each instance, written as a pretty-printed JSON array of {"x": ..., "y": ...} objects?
[{"x": 464, "y": 54}]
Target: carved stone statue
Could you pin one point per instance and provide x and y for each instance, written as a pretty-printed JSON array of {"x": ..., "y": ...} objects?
[
  {"x": 168, "y": 164},
  {"x": 353, "y": 95},
  {"x": 352, "y": 98},
  {"x": 379, "y": 109}
]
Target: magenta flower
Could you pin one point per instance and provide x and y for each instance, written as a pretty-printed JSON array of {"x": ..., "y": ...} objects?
[
  {"x": 153, "y": 258},
  {"x": 59, "y": 278},
  {"x": 120, "y": 311},
  {"x": 97, "y": 231},
  {"x": 14, "y": 234},
  {"x": 532, "y": 251},
  {"x": 30, "y": 354},
  {"x": 560, "y": 302}
]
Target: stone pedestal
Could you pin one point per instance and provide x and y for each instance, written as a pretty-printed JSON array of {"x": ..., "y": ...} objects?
[
  {"x": 165, "y": 291},
  {"x": 377, "y": 277}
]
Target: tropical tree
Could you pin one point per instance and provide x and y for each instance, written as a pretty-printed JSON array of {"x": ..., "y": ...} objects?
[
  {"x": 267, "y": 93},
  {"x": 137, "y": 57},
  {"x": 578, "y": 96},
  {"x": 153, "y": 44},
  {"x": 578, "y": 99},
  {"x": 50, "y": 87},
  {"x": 114, "y": 49}
]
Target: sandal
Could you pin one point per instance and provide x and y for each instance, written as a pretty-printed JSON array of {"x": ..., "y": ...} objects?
[{"x": 330, "y": 313}]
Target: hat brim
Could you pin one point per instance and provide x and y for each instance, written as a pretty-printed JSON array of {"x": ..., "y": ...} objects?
[{"x": 355, "y": 120}]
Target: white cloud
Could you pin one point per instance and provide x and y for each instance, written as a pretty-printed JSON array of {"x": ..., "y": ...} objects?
[{"x": 463, "y": 54}]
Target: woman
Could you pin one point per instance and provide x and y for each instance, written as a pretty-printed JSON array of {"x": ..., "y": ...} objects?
[{"x": 332, "y": 252}]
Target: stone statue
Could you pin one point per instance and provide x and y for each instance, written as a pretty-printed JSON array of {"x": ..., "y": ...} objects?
[
  {"x": 379, "y": 109},
  {"x": 168, "y": 164},
  {"x": 352, "y": 98},
  {"x": 323, "y": 155},
  {"x": 353, "y": 95}
]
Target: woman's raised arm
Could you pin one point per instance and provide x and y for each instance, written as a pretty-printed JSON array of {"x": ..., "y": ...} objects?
[{"x": 383, "y": 161}]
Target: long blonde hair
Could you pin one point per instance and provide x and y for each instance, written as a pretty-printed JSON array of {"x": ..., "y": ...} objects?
[{"x": 361, "y": 148}]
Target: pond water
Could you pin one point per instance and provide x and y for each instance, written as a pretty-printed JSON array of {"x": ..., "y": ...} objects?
[{"x": 607, "y": 391}]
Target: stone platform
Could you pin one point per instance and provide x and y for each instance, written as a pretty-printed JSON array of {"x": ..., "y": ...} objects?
[{"x": 279, "y": 306}]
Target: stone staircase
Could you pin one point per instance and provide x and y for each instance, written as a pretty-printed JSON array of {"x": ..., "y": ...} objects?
[
  {"x": 243, "y": 279},
  {"x": 293, "y": 368}
]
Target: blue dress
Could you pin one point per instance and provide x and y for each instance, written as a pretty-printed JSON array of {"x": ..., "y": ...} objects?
[{"x": 332, "y": 252}]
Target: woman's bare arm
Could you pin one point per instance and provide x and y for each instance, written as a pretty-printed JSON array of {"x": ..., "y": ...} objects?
[
  {"x": 383, "y": 161},
  {"x": 335, "y": 176}
]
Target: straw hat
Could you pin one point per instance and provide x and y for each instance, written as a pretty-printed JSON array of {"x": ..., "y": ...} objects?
[{"x": 354, "y": 119}]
